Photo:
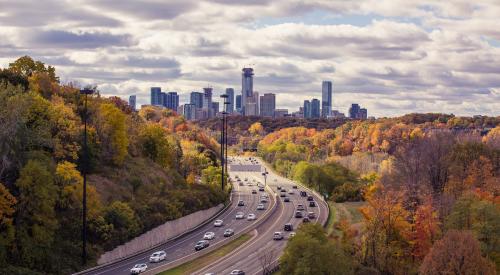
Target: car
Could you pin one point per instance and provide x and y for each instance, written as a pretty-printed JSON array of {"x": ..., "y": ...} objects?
[
  {"x": 300, "y": 207},
  {"x": 295, "y": 187},
  {"x": 312, "y": 204},
  {"x": 279, "y": 187},
  {"x": 282, "y": 195},
  {"x": 310, "y": 198},
  {"x": 237, "y": 272},
  {"x": 261, "y": 189},
  {"x": 209, "y": 236},
  {"x": 254, "y": 191},
  {"x": 298, "y": 214},
  {"x": 250, "y": 217},
  {"x": 201, "y": 244},
  {"x": 246, "y": 179},
  {"x": 303, "y": 193},
  {"x": 278, "y": 236},
  {"x": 138, "y": 268},
  {"x": 291, "y": 235},
  {"x": 287, "y": 199},
  {"x": 311, "y": 215},
  {"x": 241, "y": 183},
  {"x": 283, "y": 189},
  {"x": 290, "y": 192},
  {"x": 260, "y": 206},
  {"x": 240, "y": 215},
  {"x": 241, "y": 203},
  {"x": 228, "y": 232},
  {"x": 288, "y": 227},
  {"x": 305, "y": 219},
  {"x": 263, "y": 200},
  {"x": 158, "y": 256},
  {"x": 218, "y": 223}
]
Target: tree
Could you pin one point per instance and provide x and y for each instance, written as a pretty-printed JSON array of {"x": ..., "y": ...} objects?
[
  {"x": 7, "y": 203},
  {"x": 310, "y": 252},
  {"x": 113, "y": 133},
  {"x": 26, "y": 67},
  {"x": 124, "y": 221},
  {"x": 426, "y": 229},
  {"x": 155, "y": 145},
  {"x": 457, "y": 253},
  {"x": 256, "y": 129},
  {"x": 35, "y": 221}
]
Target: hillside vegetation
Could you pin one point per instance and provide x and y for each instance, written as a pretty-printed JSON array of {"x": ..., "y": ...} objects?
[{"x": 145, "y": 168}]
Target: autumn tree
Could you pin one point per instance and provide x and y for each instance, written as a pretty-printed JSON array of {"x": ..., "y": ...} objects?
[
  {"x": 7, "y": 203},
  {"x": 26, "y": 67},
  {"x": 426, "y": 229},
  {"x": 256, "y": 129},
  {"x": 112, "y": 131},
  {"x": 457, "y": 253}
]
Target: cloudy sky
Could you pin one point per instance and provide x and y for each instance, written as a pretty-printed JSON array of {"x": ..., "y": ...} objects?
[{"x": 391, "y": 56}]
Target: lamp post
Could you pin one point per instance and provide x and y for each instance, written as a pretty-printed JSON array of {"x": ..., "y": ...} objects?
[
  {"x": 85, "y": 92},
  {"x": 265, "y": 173},
  {"x": 226, "y": 103},
  {"x": 222, "y": 141}
]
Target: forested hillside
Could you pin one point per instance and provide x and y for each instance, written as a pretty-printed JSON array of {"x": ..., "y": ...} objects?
[
  {"x": 145, "y": 168},
  {"x": 431, "y": 184}
]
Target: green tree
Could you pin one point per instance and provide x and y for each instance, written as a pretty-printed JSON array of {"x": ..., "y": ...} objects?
[
  {"x": 157, "y": 146},
  {"x": 124, "y": 221},
  {"x": 310, "y": 252},
  {"x": 7, "y": 203},
  {"x": 35, "y": 221},
  {"x": 26, "y": 67},
  {"x": 112, "y": 131}
]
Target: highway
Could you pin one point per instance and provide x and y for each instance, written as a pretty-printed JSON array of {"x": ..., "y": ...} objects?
[
  {"x": 263, "y": 251},
  {"x": 182, "y": 249}
]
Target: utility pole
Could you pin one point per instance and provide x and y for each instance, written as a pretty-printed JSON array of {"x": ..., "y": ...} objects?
[
  {"x": 85, "y": 92},
  {"x": 226, "y": 103},
  {"x": 222, "y": 141},
  {"x": 265, "y": 173}
]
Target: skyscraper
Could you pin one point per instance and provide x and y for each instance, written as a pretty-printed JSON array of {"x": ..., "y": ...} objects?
[
  {"x": 354, "y": 111},
  {"x": 156, "y": 97},
  {"x": 207, "y": 103},
  {"x": 230, "y": 99},
  {"x": 238, "y": 103},
  {"x": 196, "y": 98},
  {"x": 171, "y": 100},
  {"x": 246, "y": 88},
  {"x": 189, "y": 111},
  {"x": 307, "y": 109},
  {"x": 326, "y": 98},
  {"x": 363, "y": 113},
  {"x": 132, "y": 102},
  {"x": 267, "y": 105},
  {"x": 315, "y": 108},
  {"x": 215, "y": 108}
]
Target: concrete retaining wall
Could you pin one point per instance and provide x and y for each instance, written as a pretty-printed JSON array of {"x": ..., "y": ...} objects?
[{"x": 159, "y": 234}]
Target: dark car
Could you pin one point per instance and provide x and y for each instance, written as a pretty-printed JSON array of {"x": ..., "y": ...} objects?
[
  {"x": 287, "y": 199},
  {"x": 201, "y": 244},
  {"x": 288, "y": 227},
  {"x": 279, "y": 187},
  {"x": 282, "y": 194},
  {"x": 298, "y": 214},
  {"x": 310, "y": 198},
  {"x": 311, "y": 215},
  {"x": 241, "y": 203},
  {"x": 261, "y": 189},
  {"x": 303, "y": 193},
  {"x": 312, "y": 204},
  {"x": 306, "y": 219},
  {"x": 254, "y": 191},
  {"x": 295, "y": 187}
]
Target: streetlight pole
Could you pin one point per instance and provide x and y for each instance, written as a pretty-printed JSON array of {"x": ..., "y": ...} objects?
[
  {"x": 265, "y": 173},
  {"x": 222, "y": 141},
  {"x": 85, "y": 92},
  {"x": 226, "y": 103}
]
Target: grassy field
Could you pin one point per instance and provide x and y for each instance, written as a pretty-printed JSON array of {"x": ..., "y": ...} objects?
[
  {"x": 348, "y": 210},
  {"x": 198, "y": 263}
]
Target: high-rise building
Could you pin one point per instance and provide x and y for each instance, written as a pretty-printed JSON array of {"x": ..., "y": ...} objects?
[
  {"x": 267, "y": 105},
  {"x": 196, "y": 98},
  {"x": 280, "y": 113},
  {"x": 246, "y": 89},
  {"x": 238, "y": 103},
  {"x": 363, "y": 113},
  {"x": 189, "y": 111},
  {"x": 315, "y": 108},
  {"x": 171, "y": 100},
  {"x": 156, "y": 96},
  {"x": 326, "y": 98},
  {"x": 354, "y": 111},
  {"x": 230, "y": 99},
  {"x": 215, "y": 108},
  {"x": 307, "y": 109},
  {"x": 132, "y": 102},
  {"x": 207, "y": 103}
]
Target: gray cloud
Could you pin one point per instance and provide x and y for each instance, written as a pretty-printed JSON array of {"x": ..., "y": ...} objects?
[
  {"x": 78, "y": 40},
  {"x": 149, "y": 10}
]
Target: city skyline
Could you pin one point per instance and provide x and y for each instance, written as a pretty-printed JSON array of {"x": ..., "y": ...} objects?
[{"x": 393, "y": 57}]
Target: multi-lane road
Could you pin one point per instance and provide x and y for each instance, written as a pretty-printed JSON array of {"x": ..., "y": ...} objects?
[
  {"x": 182, "y": 249},
  {"x": 262, "y": 251}
]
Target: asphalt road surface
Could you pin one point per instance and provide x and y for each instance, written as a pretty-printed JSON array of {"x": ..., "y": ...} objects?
[
  {"x": 262, "y": 251},
  {"x": 182, "y": 249}
]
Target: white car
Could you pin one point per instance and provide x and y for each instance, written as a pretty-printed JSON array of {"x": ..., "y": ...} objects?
[
  {"x": 158, "y": 256},
  {"x": 290, "y": 192},
  {"x": 138, "y": 268},
  {"x": 209, "y": 236},
  {"x": 260, "y": 206},
  {"x": 218, "y": 223},
  {"x": 263, "y": 200},
  {"x": 251, "y": 217},
  {"x": 240, "y": 215},
  {"x": 278, "y": 236}
]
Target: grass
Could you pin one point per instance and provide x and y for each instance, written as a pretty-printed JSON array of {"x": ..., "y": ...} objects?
[
  {"x": 198, "y": 263},
  {"x": 332, "y": 219},
  {"x": 338, "y": 211}
]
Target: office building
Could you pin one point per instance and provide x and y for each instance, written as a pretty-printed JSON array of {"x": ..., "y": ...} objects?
[
  {"x": 267, "y": 105},
  {"x": 280, "y": 113},
  {"x": 171, "y": 101},
  {"x": 315, "y": 108},
  {"x": 230, "y": 99},
  {"x": 247, "y": 90},
  {"x": 354, "y": 111},
  {"x": 215, "y": 108},
  {"x": 156, "y": 96},
  {"x": 189, "y": 111},
  {"x": 326, "y": 98},
  {"x": 363, "y": 113},
  {"x": 307, "y": 109},
  {"x": 337, "y": 114},
  {"x": 132, "y": 102},
  {"x": 207, "y": 103},
  {"x": 196, "y": 98},
  {"x": 238, "y": 103}
]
